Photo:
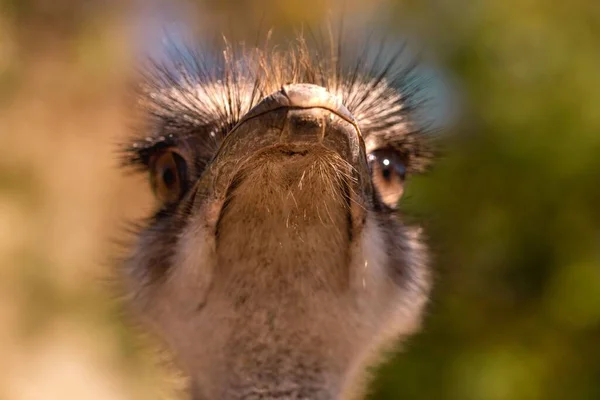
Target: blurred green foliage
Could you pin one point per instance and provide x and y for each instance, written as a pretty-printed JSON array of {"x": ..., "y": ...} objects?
[{"x": 513, "y": 208}]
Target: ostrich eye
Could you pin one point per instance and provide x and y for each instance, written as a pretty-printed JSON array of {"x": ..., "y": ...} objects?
[
  {"x": 168, "y": 172},
  {"x": 388, "y": 172}
]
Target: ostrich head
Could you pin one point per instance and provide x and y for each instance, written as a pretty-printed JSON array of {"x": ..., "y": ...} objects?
[{"x": 276, "y": 265}]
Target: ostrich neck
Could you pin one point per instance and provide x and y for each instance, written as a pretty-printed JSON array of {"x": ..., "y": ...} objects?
[{"x": 282, "y": 270}]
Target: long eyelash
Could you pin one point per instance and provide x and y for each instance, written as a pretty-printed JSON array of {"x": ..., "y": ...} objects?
[{"x": 206, "y": 93}]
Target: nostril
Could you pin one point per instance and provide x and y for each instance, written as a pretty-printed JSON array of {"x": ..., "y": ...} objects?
[
  {"x": 306, "y": 120},
  {"x": 304, "y": 125}
]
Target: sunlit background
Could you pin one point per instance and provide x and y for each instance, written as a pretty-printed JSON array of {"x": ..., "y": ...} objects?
[{"x": 512, "y": 208}]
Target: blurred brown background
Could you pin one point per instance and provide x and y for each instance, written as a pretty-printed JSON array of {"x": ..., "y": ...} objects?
[{"x": 513, "y": 208}]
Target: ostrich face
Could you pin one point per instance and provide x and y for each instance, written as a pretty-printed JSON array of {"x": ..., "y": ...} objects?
[{"x": 275, "y": 266}]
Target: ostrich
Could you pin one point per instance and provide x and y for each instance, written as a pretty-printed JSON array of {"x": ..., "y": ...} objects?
[{"x": 277, "y": 265}]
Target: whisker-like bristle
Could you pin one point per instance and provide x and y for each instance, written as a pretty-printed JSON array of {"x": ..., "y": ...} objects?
[{"x": 204, "y": 94}]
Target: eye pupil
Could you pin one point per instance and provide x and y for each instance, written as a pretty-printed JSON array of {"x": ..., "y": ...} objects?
[
  {"x": 386, "y": 173},
  {"x": 169, "y": 177}
]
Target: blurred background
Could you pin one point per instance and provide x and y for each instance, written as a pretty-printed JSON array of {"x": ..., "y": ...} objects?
[{"x": 512, "y": 208}]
